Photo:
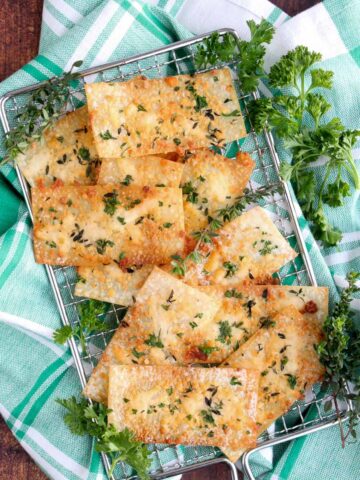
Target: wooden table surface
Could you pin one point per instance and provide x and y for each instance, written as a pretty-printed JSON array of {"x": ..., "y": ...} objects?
[{"x": 19, "y": 37}]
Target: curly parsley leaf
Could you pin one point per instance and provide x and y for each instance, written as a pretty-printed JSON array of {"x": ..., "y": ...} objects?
[
  {"x": 248, "y": 55},
  {"x": 288, "y": 115},
  {"x": 89, "y": 322},
  {"x": 84, "y": 419}
]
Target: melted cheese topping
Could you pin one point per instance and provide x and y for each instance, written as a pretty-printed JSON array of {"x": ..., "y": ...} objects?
[
  {"x": 149, "y": 116},
  {"x": 84, "y": 226},
  {"x": 109, "y": 283},
  {"x": 167, "y": 320},
  {"x": 210, "y": 182},
  {"x": 151, "y": 170},
  {"x": 190, "y": 406},
  {"x": 284, "y": 354},
  {"x": 247, "y": 248},
  {"x": 191, "y": 326},
  {"x": 66, "y": 153}
]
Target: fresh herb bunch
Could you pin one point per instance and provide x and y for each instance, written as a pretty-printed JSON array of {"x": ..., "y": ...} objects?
[
  {"x": 85, "y": 419},
  {"x": 298, "y": 119},
  {"x": 43, "y": 108},
  {"x": 340, "y": 354},
  {"x": 249, "y": 56},
  {"x": 89, "y": 323},
  {"x": 226, "y": 214}
]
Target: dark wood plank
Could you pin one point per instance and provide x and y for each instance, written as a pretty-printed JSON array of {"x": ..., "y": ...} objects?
[
  {"x": 15, "y": 463},
  {"x": 20, "y": 22},
  {"x": 292, "y": 7},
  {"x": 19, "y": 33}
]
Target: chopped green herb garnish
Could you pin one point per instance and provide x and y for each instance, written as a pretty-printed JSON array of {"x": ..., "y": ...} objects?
[
  {"x": 230, "y": 268},
  {"x": 207, "y": 350},
  {"x": 101, "y": 245},
  {"x": 111, "y": 202},
  {"x": 154, "y": 341},
  {"x": 127, "y": 180},
  {"x": 235, "y": 381},
  {"x": 107, "y": 135},
  {"x": 225, "y": 333}
]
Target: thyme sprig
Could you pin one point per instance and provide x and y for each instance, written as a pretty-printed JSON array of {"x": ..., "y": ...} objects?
[
  {"x": 340, "y": 354},
  {"x": 44, "y": 106},
  {"x": 223, "y": 215}
]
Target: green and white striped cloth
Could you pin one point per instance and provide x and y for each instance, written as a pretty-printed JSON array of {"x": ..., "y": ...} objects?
[{"x": 33, "y": 370}]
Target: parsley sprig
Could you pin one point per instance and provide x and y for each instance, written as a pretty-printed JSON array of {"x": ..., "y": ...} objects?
[
  {"x": 248, "y": 55},
  {"x": 85, "y": 419},
  {"x": 340, "y": 354},
  {"x": 45, "y": 105},
  {"x": 297, "y": 118},
  {"x": 89, "y": 323}
]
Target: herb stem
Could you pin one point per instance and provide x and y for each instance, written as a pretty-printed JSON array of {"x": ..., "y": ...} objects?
[
  {"x": 323, "y": 183},
  {"x": 353, "y": 171}
]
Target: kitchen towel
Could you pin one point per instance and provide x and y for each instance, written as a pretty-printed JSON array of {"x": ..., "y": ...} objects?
[{"x": 33, "y": 370}]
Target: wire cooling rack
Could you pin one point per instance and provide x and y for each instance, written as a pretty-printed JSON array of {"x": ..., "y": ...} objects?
[{"x": 304, "y": 417}]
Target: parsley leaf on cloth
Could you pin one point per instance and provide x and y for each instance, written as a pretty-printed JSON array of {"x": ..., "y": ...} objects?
[
  {"x": 85, "y": 419},
  {"x": 297, "y": 118}
]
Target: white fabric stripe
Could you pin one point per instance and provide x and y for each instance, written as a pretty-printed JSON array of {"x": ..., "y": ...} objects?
[
  {"x": 68, "y": 11},
  {"x": 281, "y": 19},
  {"x": 27, "y": 324},
  {"x": 356, "y": 153},
  {"x": 58, "y": 28},
  {"x": 319, "y": 26},
  {"x": 40, "y": 339},
  {"x": 169, "y": 5},
  {"x": 342, "y": 282},
  {"x": 60, "y": 457},
  {"x": 13, "y": 248},
  {"x": 260, "y": 8},
  {"x": 323, "y": 160},
  {"x": 93, "y": 33},
  {"x": 342, "y": 257},
  {"x": 114, "y": 39},
  {"x": 264, "y": 90},
  {"x": 139, "y": 8},
  {"x": 350, "y": 237}
]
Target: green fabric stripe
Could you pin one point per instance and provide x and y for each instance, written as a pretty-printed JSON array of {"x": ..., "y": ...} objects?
[
  {"x": 95, "y": 459},
  {"x": 157, "y": 21},
  {"x": 11, "y": 176},
  {"x": 10, "y": 205},
  {"x": 355, "y": 53},
  {"x": 295, "y": 449},
  {"x": 34, "y": 72},
  {"x": 39, "y": 403},
  {"x": 176, "y": 7},
  {"x": 45, "y": 374},
  {"x": 50, "y": 65},
  {"x": 140, "y": 17},
  {"x": 274, "y": 15},
  {"x": 19, "y": 252},
  {"x": 345, "y": 15}
]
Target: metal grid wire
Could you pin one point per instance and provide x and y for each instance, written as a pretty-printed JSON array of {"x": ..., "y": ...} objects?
[{"x": 304, "y": 416}]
